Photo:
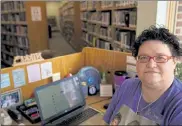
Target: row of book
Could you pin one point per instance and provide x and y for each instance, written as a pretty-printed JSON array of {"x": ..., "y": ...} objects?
[
  {"x": 105, "y": 32},
  {"x": 91, "y": 40},
  {"x": 84, "y": 25},
  {"x": 121, "y": 17},
  {"x": 107, "y": 4},
  {"x": 14, "y": 17},
  {"x": 103, "y": 44},
  {"x": 124, "y": 38},
  {"x": 88, "y": 5},
  {"x": 125, "y": 3},
  {"x": 84, "y": 15},
  {"x": 19, "y": 41},
  {"x": 69, "y": 5},
  {"x": 5, "y": 57},
  {"x": 13, "y": 51},
  {"x": 105, "y": 18},
  {"x": 12, "y": 5},
  {"x": 99, "y": 17},
  {"x": 68, "y": 31},
  {"x": 92, "y": 28},
  {"x": 20, "y": 51},
  {"x": 69, "y": 12},
  {"x": 8, "y": 49},
  {"x": 125, "y": 18},
  {"x": 18, "y": 29}
]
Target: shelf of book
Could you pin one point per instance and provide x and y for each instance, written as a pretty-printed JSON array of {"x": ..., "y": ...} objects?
[
  {"x": 70, "y": 26},
  {"x": 87, "y": 42},
  {"x": 20, "y": 34},
  {"x": 6, "y": 62},
  {"x": 14, "y": 22},
  {"x": 14, "y": 34},
  {"x": 8, "y": 53},
  {"x": 114, "y": 21},
  {"x": 125, "y": 28},
  {"x": 13, "y": 11}
]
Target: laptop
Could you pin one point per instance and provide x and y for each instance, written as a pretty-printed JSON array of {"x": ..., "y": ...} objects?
[{"x": 63, "y": 103}]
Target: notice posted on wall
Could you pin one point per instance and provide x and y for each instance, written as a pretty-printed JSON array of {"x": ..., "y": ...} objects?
[
  {"x": 18, "y": 77},
  {"x": 36, "y": 13}
]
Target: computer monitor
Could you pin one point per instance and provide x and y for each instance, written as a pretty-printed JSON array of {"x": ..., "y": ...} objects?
[{"x": 59, "y": 99}]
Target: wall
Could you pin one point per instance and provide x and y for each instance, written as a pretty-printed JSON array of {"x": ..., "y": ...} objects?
[
  {"x": 52, "y": 10},
  {"x": 151, "y": 13},
  {"x": 178, "y": 21},
  {"x": 146, "y": 15}
]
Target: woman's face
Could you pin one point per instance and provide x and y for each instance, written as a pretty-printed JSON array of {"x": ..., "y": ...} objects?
[{"x": 152, "y": 73}]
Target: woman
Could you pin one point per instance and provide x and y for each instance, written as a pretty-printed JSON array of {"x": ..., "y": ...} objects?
[{"x": 156, "y": 94}]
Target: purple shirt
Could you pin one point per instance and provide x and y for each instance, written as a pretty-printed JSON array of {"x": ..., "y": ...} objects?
[{"x": 167, "y": 110}]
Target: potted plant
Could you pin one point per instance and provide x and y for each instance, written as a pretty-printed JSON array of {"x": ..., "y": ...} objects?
[{"x": 178, "y": 71}]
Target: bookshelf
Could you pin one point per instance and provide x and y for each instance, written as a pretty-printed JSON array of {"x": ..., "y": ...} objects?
[
  {"x": 20, "y": 35},
  {"x": 70, "y": 23},
  {"x": 109, "y": 24}
]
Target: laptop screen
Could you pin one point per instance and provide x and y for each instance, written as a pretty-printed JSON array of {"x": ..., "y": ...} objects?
[{"x": 58, "y": 98}]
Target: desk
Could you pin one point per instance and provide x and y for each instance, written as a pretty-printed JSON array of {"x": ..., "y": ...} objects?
[{"x": 95, "y": 102}]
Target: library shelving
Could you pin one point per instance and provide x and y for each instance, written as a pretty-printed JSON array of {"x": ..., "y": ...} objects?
[
  {"x": 109, "y": 24},
  {"x": 20, "y": 34},
  {"x": 70, "y": 23}
]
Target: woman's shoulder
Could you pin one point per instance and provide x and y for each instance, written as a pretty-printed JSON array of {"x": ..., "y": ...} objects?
[
  {"x": 178, "y": 84},
  {"x": 130, "y": 84}
]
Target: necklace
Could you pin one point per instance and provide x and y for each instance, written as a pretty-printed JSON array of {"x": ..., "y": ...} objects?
[{"x": 138, "y": 112}]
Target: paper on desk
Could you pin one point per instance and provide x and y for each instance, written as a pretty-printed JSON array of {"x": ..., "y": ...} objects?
[
  {"x": 46, "y": 70},
  {"x": 130, "y": 60},
  {"x": 131, "y": 68},
  {"x": 106, "y": 90},
  {"x": 56, "y": 76},
  {"x": 5, "y": 81},
  {"x": 18, "y": 77},
  {"x": 33, "y": 73}
]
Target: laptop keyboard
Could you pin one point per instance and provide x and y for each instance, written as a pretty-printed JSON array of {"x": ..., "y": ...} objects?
[{"x": 78, "y": 119}]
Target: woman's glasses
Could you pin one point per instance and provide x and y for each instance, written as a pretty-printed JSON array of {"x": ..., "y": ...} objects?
[{"x": 157, "y": 59}]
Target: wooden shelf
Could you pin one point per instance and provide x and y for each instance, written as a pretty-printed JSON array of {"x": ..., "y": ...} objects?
[
  {"x": 84, "y": 19},
  {"x": 125, "y": 7},
  {"x": 125, "y": 28},
  {"x": 14, "y": 22},
  {"x": 91, "y": 9},
  {"x": 83, "y": 9},
  {"x": 93, "y": 33},
  {"x": 13, "y": 11},
  {"x": 122, "y": 45},
  {"x": 14, "y": 34},
  {"x": 118, "y": 8},
  {"x": 104, "y": 38},
  {"x": 68, "y": 25},
  {"x": 33, "y": 40},
  {"x": 106, "y": 9},
  {"x": 110, "y": 26},
  {"x": 104, "y": 25}
]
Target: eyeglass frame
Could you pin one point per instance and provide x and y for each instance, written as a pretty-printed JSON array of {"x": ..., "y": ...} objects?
[{"x": 153, "y": 57}]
